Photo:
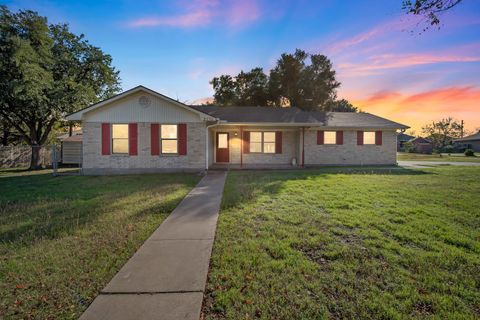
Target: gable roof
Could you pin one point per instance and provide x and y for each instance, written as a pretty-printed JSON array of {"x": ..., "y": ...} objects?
[
  {"x": 295, "y": 116},
  {"x": 404, "y": 137},
  {"x": 473, "y": 137},
  {"x": 420, "y": 140},
  {"x": 78, "y": 114}
]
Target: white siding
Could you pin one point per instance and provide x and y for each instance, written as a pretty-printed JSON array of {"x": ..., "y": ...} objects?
[{"x": 128, "y": 110}]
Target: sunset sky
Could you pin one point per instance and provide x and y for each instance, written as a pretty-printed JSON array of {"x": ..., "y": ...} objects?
[{"x": 386, "y": 67}]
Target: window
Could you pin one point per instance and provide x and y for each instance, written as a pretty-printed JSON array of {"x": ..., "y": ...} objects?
[
  {"x": 223, "y": 140},
  {"x": 262, "y": 142},
  {"x": 120, "y": 138},
  {"x": 330, "y": 137},
  {"x": 255, "y": 142},
  {"x": 169, "y": 138},
  {"x": 269, "y": 142},
  {"x": 369, "y": 137}
]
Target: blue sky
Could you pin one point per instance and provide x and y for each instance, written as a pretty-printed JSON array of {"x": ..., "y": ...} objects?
[{"x": 385, "y": 66}]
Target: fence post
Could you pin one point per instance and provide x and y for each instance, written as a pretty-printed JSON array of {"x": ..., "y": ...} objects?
[{"x": 54, "y": 160}]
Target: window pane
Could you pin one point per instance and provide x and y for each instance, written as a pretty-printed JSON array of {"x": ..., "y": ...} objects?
[
  {"x": 369, "y": 137},
  {"x": 119, "y": 130},
  {"x": 330, "y": 137},
  {"x": 169, "y": 146},
  {"x": 255, "y": 137},
  {"x": 269, "y": 137},
  {"x": 223, "y": 140},
  {"x": 255, "y": 146},
  {"x": 269, "y": 147},
  {"x": 169, "y": 131},
  {"x": 120, "y": 145}
]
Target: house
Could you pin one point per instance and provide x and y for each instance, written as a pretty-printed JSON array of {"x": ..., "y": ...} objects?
[
  {"x": 141, "y": 130},
  {"x": 402, "y": 138},
  {"x": 468, "y": 142},
  {"x": 422, "y": 145}
]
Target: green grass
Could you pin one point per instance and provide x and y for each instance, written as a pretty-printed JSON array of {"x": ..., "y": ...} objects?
[
  {"x": 403, "y": 156},
  {"x": 63, "y": 238},
  {"x": 348, "y": 244}
]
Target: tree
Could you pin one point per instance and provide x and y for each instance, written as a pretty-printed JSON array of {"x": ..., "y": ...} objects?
[
  {"x": 429, "y": 9},
  {"x": 46, "y": 73},
  {"x": 303, "y": 80},
  {"x": 341, "y": 106},
  {"x": 442, "y": 132}
]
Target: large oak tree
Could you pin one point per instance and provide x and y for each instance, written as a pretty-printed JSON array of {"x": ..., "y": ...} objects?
[
  {"x": 47, "y": 72},
  {"x": 303, "y": 80}
]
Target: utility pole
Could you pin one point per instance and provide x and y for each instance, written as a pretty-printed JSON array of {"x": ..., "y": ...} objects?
[{"x": 461, "y": 129}]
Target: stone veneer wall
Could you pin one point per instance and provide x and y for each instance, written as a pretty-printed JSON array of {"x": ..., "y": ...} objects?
[{"x": 96, "y": 163}]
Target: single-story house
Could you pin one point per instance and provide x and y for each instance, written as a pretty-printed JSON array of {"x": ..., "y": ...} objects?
[
  {"x": 422, "y": 145},
  {"x": 402, "y": 138},
  {"x": 141, "y": 130},
  {"x": 468, "y": 142}
]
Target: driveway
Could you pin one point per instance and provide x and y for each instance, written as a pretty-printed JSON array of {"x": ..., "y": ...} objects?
[{"x": 422, "y": 164}]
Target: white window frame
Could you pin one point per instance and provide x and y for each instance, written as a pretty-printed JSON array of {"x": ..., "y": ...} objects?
[
  {"x": 263, "y": 142},
  {"x": 169, "y": 139},
  {"x": 326, "y": 141},
  {"x": 112, "y": 139},
  {"x": 373, "y": 134}
]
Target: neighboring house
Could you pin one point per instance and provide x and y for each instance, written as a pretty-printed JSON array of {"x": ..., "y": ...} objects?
[
  {"x": 469, "y": 142},
  {"x": 402, "y": 138},
  {"x": 141, "y": 130},
  {"x": 422, "y": 145}
]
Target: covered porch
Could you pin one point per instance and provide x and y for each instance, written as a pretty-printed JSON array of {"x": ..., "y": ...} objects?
[{"x": 236, "y": 147}]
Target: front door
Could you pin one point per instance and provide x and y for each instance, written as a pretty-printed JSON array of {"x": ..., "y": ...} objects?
[{"x": 223, "y": 151}]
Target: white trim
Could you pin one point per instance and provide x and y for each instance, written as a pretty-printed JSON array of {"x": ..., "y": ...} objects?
[{"x": 76, "y": 116}]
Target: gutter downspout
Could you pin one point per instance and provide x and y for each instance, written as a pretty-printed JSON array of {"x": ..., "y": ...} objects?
[{"x": 206, "y": 143}]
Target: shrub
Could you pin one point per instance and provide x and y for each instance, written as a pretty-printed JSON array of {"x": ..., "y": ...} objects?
[
  {"x": 469, "y": 153},
  {"x": 448, "y": 149}
]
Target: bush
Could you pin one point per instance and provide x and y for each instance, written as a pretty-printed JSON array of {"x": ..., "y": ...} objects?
[
  {"x": 469, "y": 153},
  {"x": 448, "y": 149}
]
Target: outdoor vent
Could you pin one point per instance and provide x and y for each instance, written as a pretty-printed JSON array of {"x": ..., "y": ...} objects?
[{"x": 144, "y": 101}]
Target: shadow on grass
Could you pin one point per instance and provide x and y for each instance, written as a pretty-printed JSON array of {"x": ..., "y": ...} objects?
[
  {"x": 46, "y": 207},
  {"x": 246, "y": 186}
]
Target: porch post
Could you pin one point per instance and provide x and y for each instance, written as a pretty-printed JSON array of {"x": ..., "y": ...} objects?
[
  {"x": 303, "y": 146},
  {"x": 241, "y": 147}
]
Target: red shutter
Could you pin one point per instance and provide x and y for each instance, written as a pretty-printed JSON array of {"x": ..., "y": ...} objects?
[
  {"x": 278, "y": 142},
  {"x": 105, "y": 139},
  {"x": 378, "y": 138},
  {"x": 339, "y": 137},
  {"x": 360, "y": 138},
  {"x": 154, "y": 139},
  {"x": 246, "y": 142},
  {"x": 182, "y": 139},
  {"x": 320, "y": 137},
  {"x": 132, "y": 139}
]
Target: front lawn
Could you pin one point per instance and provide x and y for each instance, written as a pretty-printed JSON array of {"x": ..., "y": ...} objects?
[
  {"x": 348, "y": 244},
  {"x": 454, "y": 157},
  {"x": 63, "y": 238}
]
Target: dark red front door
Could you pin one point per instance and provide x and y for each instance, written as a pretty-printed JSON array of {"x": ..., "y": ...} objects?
[{"x": 223, "y": 151}]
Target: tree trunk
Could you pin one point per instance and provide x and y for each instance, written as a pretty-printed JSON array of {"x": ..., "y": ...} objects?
[
  {"x": 5, "y": 137},
  {"x": 35, "y": 162}
]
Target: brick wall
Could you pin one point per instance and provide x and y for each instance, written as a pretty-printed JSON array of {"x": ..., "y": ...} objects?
[{"x": 96, "y": 163}]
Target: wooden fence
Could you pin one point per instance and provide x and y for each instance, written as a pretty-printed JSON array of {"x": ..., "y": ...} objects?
[{"x": 19, "y": 156}]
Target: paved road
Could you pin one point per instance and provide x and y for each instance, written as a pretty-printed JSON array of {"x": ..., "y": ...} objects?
[
  {"x": 166, "y": 277},
  {"x": 422, "y": 164}
]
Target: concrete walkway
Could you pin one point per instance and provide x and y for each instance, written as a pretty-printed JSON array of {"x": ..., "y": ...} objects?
[
  {"x": 166, "y": 277},
  {"x": 423, "y": 164}
]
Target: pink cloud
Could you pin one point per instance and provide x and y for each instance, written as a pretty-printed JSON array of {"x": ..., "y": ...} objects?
[
  {"x": 204, "y": 12},
  {"x": 393, "y": 61}
]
